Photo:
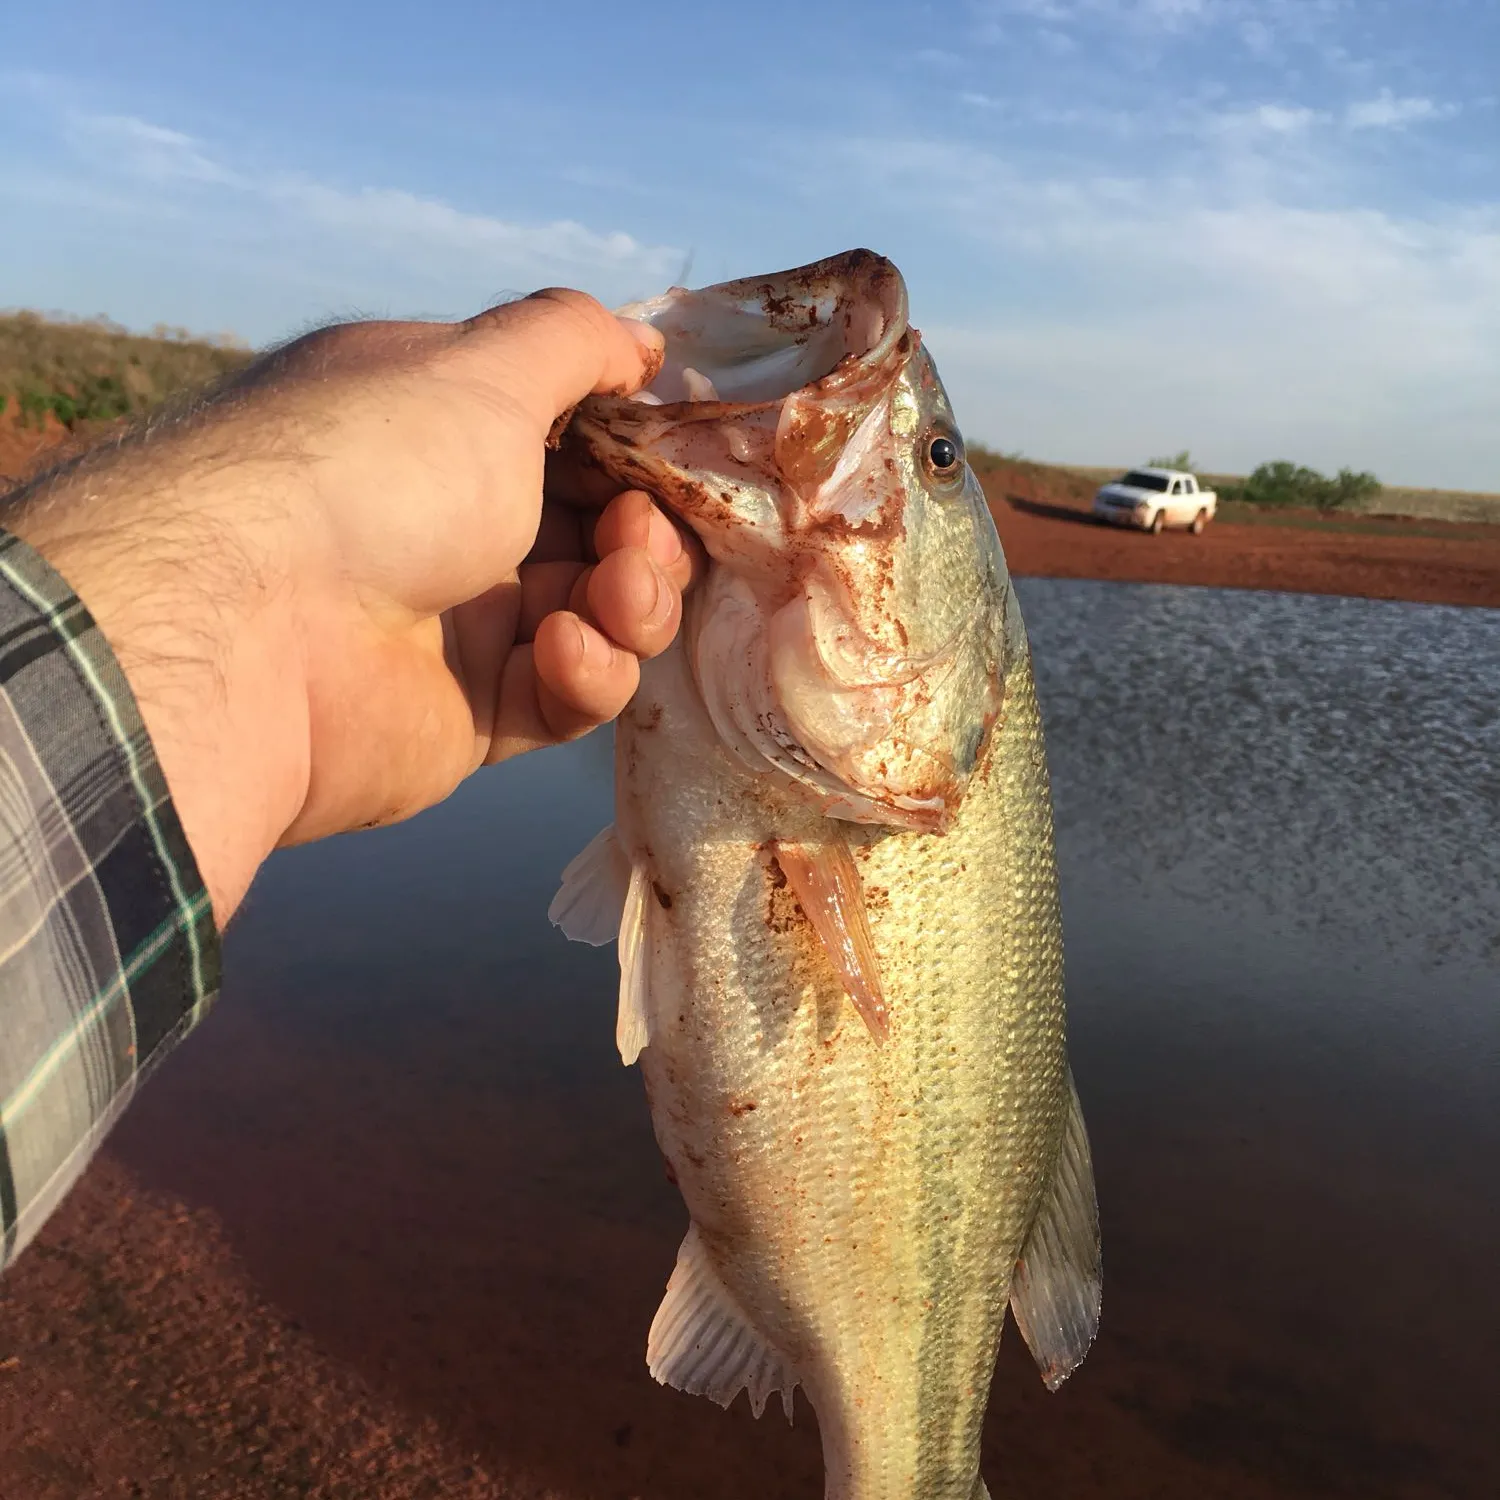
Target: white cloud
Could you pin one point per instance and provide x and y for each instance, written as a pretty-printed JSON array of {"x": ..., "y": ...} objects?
[
  {"x": 1264, "y": 29},
  {"x": 1066, "y": 11},
  {"x": 1251, "y": 129},
  {"x": 147, "y": 150},
  {"x": 414, "y": 227},
  {"x": 1259, "y": 39},
  {"x": 399, "y": 218},
  {"x": 1282, "y": 119},
  {"x": 1137, "y": 14},
  {"x": 1388, "y": 112}
]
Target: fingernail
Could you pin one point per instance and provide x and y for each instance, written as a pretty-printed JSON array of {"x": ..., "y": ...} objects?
[
  {"x": 661, "y": 604},
  {"x": 653, "y": 345},
  {"x": 594, "y": 650},
  {"x": 663, "y": 544}
]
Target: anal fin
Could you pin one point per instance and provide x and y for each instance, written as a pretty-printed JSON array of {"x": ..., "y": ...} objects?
[
  {"x": 1055, "y": 1292},
  {"x": 701, "y": 1343},
  {"x": 826, "y": 882}
]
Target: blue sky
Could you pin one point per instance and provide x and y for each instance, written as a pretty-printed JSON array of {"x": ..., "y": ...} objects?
[{"x": 1255, "y": 228}]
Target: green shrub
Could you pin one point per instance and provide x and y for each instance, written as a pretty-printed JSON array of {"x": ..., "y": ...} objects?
[
  {"x": 1183, "y": 460},
  {"x": 1284, "y": 484},
  {"x": 91, "y": 370},
  {"x": 34, "y": 403}
]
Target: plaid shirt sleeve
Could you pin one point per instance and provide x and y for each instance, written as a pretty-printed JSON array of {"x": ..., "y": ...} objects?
[{"x": 108, "y": 950}]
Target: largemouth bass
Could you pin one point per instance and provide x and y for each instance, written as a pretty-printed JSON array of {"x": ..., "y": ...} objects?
[{"x": 831, "y": 881}]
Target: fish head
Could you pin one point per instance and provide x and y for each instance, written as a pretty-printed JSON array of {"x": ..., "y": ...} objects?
[{"x": 858, "y": 620}]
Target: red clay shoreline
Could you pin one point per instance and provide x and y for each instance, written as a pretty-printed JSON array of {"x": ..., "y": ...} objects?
[{"x": 1043, "y": 519}]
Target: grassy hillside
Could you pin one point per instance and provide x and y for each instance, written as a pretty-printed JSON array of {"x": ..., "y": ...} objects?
[{"x": 93, "y": 371}]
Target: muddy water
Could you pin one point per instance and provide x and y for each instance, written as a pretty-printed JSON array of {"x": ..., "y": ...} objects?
[{"x": 1279, "y": 829}]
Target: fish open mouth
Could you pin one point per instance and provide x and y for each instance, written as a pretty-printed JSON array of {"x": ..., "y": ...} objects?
[
  {"x": 765, "y": 385},
  {"x": 759, "y": 340}
]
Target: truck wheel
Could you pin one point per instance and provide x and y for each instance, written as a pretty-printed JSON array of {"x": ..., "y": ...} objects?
[
  {"x": 1158, "y": 523},
  {"x": 1199, "y": 522}
]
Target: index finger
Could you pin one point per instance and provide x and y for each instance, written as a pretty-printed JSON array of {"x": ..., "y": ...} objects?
[
  {"x": 548, "y": 351},
  {"x": 574, "y": 479}
]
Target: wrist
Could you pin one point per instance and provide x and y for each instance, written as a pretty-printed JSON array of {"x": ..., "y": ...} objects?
[{"x": 201, "y": 622}]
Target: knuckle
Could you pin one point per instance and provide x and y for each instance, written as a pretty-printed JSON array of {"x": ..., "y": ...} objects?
[
  {"x": 572, "y": 303},
  {"x": 340, "y": 348},
  {"x": 562, "y": 305}
]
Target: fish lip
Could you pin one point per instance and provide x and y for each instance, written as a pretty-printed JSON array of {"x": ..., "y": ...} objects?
[{"x": 790, "y": 301}]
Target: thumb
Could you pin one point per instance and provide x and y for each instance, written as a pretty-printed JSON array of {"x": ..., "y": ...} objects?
[{"x": 551, "y": 349}]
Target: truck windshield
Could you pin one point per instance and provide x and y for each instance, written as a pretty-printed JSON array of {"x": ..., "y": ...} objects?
[{"x": 1138, "y": 481}]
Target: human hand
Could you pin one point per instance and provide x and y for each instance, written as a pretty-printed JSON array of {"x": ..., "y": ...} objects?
[{"x": 339, "y": 588}]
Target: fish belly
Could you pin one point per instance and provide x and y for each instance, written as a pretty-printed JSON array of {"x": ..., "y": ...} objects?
[{"x": 861, "y": 1205}]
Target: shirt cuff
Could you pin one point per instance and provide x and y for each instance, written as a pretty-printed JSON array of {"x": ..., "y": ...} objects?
[{"x": 108, "y": 950}]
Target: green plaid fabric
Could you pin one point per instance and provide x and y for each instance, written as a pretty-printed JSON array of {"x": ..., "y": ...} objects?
[{"x": 108, "y": 950}]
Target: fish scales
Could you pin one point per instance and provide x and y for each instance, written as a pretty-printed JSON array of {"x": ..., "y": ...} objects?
[
  {"x": 877, "y": 1250},
  {"x": 842, "y": 966}
]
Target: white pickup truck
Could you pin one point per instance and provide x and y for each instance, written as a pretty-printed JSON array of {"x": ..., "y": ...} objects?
[{"x": 1153, "y": 499}]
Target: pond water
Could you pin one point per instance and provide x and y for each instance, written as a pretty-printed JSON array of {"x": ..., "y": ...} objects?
[{"x": 1279, "y": 834}]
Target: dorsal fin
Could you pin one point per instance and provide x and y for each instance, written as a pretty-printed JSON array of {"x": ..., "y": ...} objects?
[
  {"x": 1055, "y": 1292},
  {"x": 826, "y": 882}
]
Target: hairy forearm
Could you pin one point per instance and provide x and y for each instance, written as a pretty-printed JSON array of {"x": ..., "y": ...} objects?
[{"x": 197, "y": 607}]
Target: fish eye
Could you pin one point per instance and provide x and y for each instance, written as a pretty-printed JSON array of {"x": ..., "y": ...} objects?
[{"x": 944, "y": 455}]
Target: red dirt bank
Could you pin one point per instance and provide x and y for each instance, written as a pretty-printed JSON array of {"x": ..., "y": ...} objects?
[{"x": 1042, "y": 516}]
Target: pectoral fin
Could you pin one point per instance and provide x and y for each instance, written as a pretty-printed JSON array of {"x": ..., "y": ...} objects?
[
  {"x": 603, "y": 900},
  {"x": 589, "y": 903},
  {"x": 701, "y": 1343},
  {"x": 1055, "y": 1292},
  {"x": 826, "y": 883},
  {"x": 633, "y": 1020}
]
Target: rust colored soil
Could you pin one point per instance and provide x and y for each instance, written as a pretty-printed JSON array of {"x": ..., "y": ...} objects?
[
  {"x": 1044, "y": 522},
  {"x": 26, "y": 447},
  {"x": 136, "y": 1360},
  {"x": 23, "y": 446}
]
